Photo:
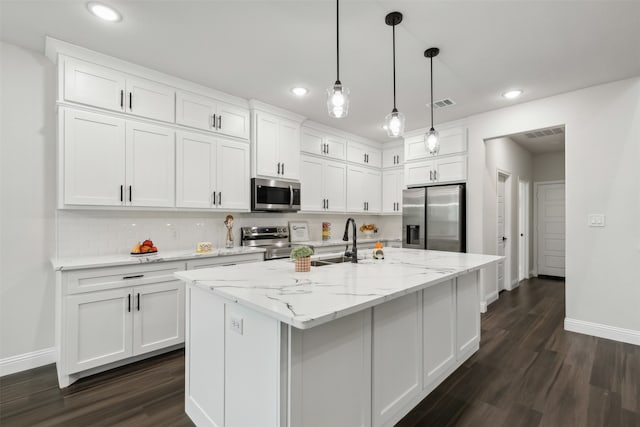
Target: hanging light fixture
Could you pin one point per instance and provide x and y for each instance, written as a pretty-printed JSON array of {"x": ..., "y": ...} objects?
[
  {"x": 394, "y": 121},
  {"x": 338, "y": 95},
  {"x": 432, "y": 138}
]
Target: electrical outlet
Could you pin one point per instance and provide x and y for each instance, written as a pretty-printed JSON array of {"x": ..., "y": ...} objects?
[
  {"x": 596, "y": 220},
  {"x": 235, "y": 324}
]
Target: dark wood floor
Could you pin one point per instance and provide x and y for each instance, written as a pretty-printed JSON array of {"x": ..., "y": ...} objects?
[{"x": 528, "y": 372}]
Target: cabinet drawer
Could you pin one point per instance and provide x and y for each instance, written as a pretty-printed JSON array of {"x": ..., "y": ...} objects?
[
  {"x": 96, "y": 279},
  {"x": 224, "y": 260}
]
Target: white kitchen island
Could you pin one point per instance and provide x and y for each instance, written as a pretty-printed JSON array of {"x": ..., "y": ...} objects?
[{"x": 343, "y": 345}]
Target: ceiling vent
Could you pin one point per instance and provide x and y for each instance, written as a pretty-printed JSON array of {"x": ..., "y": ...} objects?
[
  {"x": 446, "y": 102},
  {"x": 544, "y": 132}
]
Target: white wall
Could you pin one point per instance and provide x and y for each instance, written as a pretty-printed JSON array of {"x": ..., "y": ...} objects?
[
  {"x": 548, "y": 167},
  {"x": 27, "y": 195},
  {"x": 602, "y": 134},
  {"x": 503, "y": 154}
]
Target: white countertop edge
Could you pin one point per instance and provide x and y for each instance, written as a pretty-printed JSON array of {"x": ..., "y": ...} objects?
[
  {"x": 80, "y": 263},
  {"x": 317, "y": 321}
]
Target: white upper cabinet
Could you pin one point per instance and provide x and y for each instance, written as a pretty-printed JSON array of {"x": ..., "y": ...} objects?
[
  {"x": 102, "y": 87},
  {"x": 364, "y": 154},
  {"x": 453, "y": 140},
  {"x": 392, "y": 186},
  {"x": 94, "y": 159},
  {"x": 323, "y": 183},
  {"x": 436, "y": 171},
  {"x": 206, "y": 113},
  {"x": 276, "y": 147},
  {"x": 150, "y": 162},
  {"x": 150, "y": 99},
  {"x": 114, "y": 162},
  {"x": 393, "y": 157},
  {"x": 321, "y": 144},
  {"x": 93, "y": 85},
  {"x": 363, "y": 190},
  {"x": 211, "y": 172}
]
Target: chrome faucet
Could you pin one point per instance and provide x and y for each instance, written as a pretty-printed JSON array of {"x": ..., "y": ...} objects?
[{"x": 354, "y": 251}]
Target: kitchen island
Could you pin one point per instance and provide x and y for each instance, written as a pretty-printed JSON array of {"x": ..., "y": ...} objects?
[{"x": 343, "y": 345}]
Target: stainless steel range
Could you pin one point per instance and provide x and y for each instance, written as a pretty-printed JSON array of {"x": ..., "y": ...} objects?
[{"x": 275, "y": 239}]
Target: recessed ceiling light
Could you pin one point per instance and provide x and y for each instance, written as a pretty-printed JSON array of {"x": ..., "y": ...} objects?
[
  {"x": 512, "y": 94},
  {"x": 103, "y": 11},
  {"x": 299, "y": 91}
]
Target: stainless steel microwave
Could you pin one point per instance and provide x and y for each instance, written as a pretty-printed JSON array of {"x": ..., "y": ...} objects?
[{"x": 275, "y": 196}]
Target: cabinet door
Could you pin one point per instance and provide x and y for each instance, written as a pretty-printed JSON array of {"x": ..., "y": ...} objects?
[
  {"x": 336, "y": 148},
  {"x": 195, "y": 170},
  {"x": 195, "y": 111},
  {"x": 418, "y": 173},
  {"x": 266, "y": 149},
  {"x": 335, "y": 186},
  {"x": 150, "y": 99},
  {"x": 100, "y": 328},
  {"x": 390, "y": 189},
  {"x": 396, "y": 356},
  {"x": 439, "y": 332},
  {"x": 356, "y": 191},
  {"x": 94, "y": 159},
  {"x": 452, "y": 141},
  {"x": 312, "y": 184},
  {"x": 233, "y": 175},
  {"x": 373, "y": 190},
  {"x": 94, "y": 85},
  {"x": 150, "y": 165},
  {"x": 392, "y": 157},
  {"x": 374, "y": 157},
  {"x": 468, "y": 315},
  {"x": 451, "y": 169},
  {"x": 233, "y": 120},
  {"x": 356, "y": 153},
  {"x": 312, "y": 142},
  {"x": 289, "y": 149},
  {"x": 158, "y": 319}
]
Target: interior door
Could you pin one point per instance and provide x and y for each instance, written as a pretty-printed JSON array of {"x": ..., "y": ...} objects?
[
  {"x": 195, "y": 170},
  {"x": 500, "y": 229},
  {"x": 551, "y": 229},
  {"x": 150, "y": 165}
]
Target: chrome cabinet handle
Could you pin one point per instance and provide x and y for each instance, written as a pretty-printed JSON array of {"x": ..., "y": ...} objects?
[
  {"x": 322, "y": 147},
  {"x": 220, "y": 198},
  {"x": 283, "y": 169},
  {"x": 430, "y": 175},
  {"x": 435, "y": 175},
  {"x": 213, "y": 121},
  {"x": 121, "y": 98},
  {"x": 278, "y": 168},
  {"x": 327, "y": 148},
  {"x": 219, "y": 121}
]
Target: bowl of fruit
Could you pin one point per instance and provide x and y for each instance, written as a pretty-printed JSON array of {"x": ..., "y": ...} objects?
[
  {"x": 145, "y": 248},
  {"x": 368, "y": 229}
]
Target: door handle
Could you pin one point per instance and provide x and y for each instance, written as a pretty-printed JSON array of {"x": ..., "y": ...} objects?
[
  {"x": 504, "y": 238},
  {"x": 327, "y": 148},
  {"x": 121, "y": 193},
  {"x": 278, "y": 168},
  {"x": 219, "y": 121},
  {"x": 121, "y": 98},
  {"x": 138, "y": 301},
  {"x": 290, "y": 192},
  {"x": 327, "y": 203},
  {"x": 283, "y": 169},
  {"x": 130, "y": 194},
  {"x": 129, "y": 303},
  {"x": 213, "y": 121},
  {"x": 220, "y": 198},
  {"x": 130, "y": 101},
  {"x": 430, "y": 175},
  {"x": 137, "y": 276},
  {"x": 214, "y": 197},
  {"x": 322, "y": 146},
  {"x": 435, "y": 175}
]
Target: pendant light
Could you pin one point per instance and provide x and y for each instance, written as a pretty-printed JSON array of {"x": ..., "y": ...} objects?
[
  {"x": 432, "y": 138},
  {"x": 394, "y": 121},
  {"x": 338, "y": 95}
]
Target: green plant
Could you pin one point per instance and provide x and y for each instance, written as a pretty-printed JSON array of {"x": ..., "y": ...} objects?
[{"x": 301, "y": 252}]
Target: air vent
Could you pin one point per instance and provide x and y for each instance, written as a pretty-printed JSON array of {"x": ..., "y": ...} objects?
[
  {"x": 544, "y": 132},
  {"x": 446, "y": 102}
]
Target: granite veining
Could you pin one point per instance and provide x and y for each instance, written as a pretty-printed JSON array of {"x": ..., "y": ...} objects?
[{"x": 304, "y": 300}]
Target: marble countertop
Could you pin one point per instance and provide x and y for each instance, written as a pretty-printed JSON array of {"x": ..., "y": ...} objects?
[
  {"x": 78, "y": 263},
  {"x": 304, "y": 300}
]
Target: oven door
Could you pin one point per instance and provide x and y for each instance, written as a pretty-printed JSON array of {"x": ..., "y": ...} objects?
[{"x": 273, "y": 195}]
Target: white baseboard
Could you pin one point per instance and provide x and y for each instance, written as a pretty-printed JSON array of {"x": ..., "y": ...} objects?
[
  {"x": 603, "y": 331},
  {"x": 514, "y": 284},
  {"x": 22, "y": 362},
  {"x": 493, "y": 296},
  {"x": 533, "y": 273}
]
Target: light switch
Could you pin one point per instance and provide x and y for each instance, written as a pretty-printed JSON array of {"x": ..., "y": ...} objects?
[
  {"x": 235, "y": 324},
  {"x": 596, "y": 220}
]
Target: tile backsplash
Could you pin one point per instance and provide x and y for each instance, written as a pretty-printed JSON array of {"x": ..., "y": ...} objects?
[{"x": 91, "y": 233}]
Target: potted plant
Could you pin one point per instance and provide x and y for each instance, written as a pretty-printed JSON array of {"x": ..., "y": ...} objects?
[{"x": 302, "y": 257}]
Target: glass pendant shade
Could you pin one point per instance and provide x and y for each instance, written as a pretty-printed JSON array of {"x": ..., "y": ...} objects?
[
  {"x": 394, "y": 124},
  {"x": 432, "y": 140},
  {"x": 338, "y": 100}
]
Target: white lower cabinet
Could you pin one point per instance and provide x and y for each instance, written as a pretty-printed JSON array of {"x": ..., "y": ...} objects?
[
  {"x": 439, "y": 332},
  {"x": 467, "y": 315},
  {"x": 324, "y": 184},
  {"x": 396, "y": 357}
]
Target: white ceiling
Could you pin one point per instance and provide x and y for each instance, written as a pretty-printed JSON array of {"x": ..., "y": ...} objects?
[
  {"x": 260, "y": 49},
  {"x": 535, "y": 142}
]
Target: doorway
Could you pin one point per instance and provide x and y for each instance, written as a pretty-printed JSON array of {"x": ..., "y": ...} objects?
[
  {"x": 550, "y": 228},
  {"x": 523, "y": 229},
  {"x": 503, "y": 216}
]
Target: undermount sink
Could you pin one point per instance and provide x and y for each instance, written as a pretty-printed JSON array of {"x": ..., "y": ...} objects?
[{"x": 329, "y": 261}]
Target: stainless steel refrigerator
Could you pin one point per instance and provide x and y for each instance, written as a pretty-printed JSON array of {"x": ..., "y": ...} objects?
[{"x": 434, "y": 218}]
